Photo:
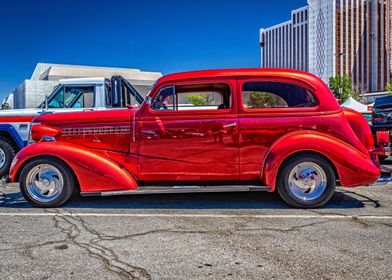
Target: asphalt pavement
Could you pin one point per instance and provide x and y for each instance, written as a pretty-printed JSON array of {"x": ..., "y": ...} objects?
[{"x": 198, "y": 236}]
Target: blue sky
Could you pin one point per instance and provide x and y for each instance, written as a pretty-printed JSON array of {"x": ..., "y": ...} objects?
[{"x": 166, "y": 36}]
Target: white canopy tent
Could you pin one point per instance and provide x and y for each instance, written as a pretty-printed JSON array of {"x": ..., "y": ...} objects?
[{"x": 351, "y": 103}]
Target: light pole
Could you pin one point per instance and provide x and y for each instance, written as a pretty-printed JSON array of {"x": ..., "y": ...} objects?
[{"x": 340, "y": 90}]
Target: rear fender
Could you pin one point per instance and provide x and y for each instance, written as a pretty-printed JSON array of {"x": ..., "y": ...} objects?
[
  {"x": 94, "y": 171},
  {"x": 354, "y": 168},
  {"x": 360, "y": 127}
]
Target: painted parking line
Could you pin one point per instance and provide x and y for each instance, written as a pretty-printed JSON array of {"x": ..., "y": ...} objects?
[{"x": 158, "y": 215}]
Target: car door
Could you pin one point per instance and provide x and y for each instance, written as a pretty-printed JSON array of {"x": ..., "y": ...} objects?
[
  {"x": 189, "y": 133},
  {"x": 270, "y": 108}
]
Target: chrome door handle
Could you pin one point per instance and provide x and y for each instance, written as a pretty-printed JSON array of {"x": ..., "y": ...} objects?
[{"x": 230, "y": 124}]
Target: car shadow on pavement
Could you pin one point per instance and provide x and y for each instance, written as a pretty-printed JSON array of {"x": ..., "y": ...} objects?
[{"x": 243, "y": 200}]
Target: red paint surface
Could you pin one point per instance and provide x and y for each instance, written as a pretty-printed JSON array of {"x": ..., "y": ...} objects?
[
  {"x": 16, "y": 119},
  {"x": 208, "y": 145}
]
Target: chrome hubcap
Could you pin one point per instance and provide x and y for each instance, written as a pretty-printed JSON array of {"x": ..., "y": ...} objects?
[
  {"x": 307, "y": 181},
  {"x": 44, "y": 183},
  {"x": 2, "y": 158}
]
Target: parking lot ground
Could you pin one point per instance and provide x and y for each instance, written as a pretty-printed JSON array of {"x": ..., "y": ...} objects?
[{"x": 198, "y": 236}]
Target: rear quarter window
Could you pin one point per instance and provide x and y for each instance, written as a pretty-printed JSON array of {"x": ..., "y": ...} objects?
[{"x": 264, "y": 94}]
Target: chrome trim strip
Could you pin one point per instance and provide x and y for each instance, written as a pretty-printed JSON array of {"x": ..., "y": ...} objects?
[
  {"x": 104, "y": 130},
  {"x": 180, "y": 189}
]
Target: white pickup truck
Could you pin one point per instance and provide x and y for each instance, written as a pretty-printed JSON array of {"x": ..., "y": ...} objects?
[{"x": 68, "y": 96}]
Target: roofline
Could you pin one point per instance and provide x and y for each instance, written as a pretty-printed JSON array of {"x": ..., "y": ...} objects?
[
  {"x": 327, "y": 101},
  {"x": 84, "y": 80},
  {"x": 276, "y": 26},
  {"x": 235, "y": 72},
  {"x": 88, "y": 66},
  {"x": 300, "y": 9}
]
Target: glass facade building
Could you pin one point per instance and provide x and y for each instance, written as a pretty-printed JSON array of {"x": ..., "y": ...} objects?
[{"x": 332, "y": 37}]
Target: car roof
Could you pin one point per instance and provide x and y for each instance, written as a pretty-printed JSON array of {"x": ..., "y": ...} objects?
[
  {"x": 236, "y": 72},
  {"x": 327, "y": 101},
  {"x": 75, "y": 81}
]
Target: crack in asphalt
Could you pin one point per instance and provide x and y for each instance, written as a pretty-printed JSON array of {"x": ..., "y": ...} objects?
[
  {"x": 290, "y": 229},
  {"x": 76, "y": 228},
  {"x": 356, "y": 219}
]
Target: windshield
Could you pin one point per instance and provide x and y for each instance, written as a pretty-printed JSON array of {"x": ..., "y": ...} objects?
[
  {"x": 50, "y": 96},
  {"x": 71, "y": 97}
]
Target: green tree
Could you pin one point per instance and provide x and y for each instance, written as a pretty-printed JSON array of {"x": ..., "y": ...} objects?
[
  {"x": 5, "y": 106},
  {"x": 341, "y": 87},
  {"x": 197, "y": 100},
  {"x": 259, "y": 99},
  {"x": 202, "y": 99},
  {"x": 388, "y": 87}
]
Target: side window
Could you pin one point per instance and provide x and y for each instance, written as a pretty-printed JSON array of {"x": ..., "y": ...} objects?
[
  {"x": 164, "y": 100},
  {"x": 205, "y": 96},
  {"x": 276, "y": 95},
  {"x": 57, "y": 101},
  {"x": 73, "y": 97},
  {"x": 85, "y": 100}
]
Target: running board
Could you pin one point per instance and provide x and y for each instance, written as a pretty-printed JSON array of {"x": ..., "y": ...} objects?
[{"x": 182, "y": 189}]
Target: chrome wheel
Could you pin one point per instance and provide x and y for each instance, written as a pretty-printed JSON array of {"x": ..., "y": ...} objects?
[
  {"x": 307, "y": 181},
  {"x": 2, "y": 158},
  {"x": 44, "y": 182}
]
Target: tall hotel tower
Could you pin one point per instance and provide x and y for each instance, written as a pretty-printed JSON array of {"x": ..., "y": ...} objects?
[{"x": 333, "y": 37}]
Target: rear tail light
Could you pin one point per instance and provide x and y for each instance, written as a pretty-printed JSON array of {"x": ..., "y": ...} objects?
[
  {"x": 377, "y": 117},
  {"x": 382, "y": 137}
]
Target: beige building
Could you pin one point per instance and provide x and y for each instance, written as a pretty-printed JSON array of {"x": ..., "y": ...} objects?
[{"x": 31, "y": 92}]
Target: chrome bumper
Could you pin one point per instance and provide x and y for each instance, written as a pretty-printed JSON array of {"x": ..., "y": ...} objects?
[{"x": 384, "y": 180}]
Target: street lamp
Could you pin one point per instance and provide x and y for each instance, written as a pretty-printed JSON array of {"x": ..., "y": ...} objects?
[{"x": 340, "y": 54}]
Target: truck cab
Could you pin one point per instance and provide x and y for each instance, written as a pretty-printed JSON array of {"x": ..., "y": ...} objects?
[{"x": 91, "y": 94}]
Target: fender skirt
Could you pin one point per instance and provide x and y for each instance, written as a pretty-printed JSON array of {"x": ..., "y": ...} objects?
[
  {"x": 94, "y": 171},
  {"x": 354, "y": 168}
]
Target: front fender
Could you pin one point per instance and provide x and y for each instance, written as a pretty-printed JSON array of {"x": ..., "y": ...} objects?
[
  {"x": 354, "y": 168},
  {"x": 9, "y": 129},
  {"x": 94, "y": 171}
]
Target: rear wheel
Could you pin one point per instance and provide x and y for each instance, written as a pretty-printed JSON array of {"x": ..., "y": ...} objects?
[
  {"x": 7, "y": 154},
  {"x": 306, "y": 181},
  {"x": 46, "y": 182}
]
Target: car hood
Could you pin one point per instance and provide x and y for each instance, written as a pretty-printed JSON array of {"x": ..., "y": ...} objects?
[{"x": 84, "y": 117}]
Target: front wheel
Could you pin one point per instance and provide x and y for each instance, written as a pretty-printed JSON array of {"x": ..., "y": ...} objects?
[
  {"x": 7, "y": 154},
  {"x": 306, "y": 181},
  {"x": 46, "y": 182}
]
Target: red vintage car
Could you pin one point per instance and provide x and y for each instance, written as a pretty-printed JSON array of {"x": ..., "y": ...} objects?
[{"x": 204, "y": 131}]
